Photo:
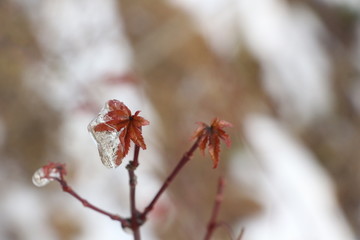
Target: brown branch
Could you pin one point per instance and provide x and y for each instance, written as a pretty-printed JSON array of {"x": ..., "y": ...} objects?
[
  {"x": 66, "y": 188},
  {"x": 215, "y": 212},
  {"x": 186, "y": 157},
  {"x": 135, "y": 220}
]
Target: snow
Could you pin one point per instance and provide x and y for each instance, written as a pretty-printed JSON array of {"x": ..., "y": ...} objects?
[
  {"x": 296, "y": 69},
  {"x": 85, "y": 40},
  {"x": 297, "y": 194}
]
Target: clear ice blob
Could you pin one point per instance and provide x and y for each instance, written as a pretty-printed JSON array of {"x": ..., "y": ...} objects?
[
  {"x": 108, "y": 142},
  {"x": 49, "y": 172},
  {"x": 39, "y": 179}
]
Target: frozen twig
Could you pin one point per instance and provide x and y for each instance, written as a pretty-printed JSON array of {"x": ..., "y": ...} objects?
[{"x": 114, "y": 129}]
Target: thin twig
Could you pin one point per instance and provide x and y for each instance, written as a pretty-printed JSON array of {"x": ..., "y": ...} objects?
[
  {"x": 131, "y": 167},
  {"x": 242, "y": 231},
  {"x": 186, "y": 157},
  {"x": 215, "y": 212},
  {"x": 227, "y": 228},
  {"x": 68, "y": 189}
]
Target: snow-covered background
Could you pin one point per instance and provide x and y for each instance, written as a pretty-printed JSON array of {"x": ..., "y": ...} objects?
[{"x": 301, "y": 79}]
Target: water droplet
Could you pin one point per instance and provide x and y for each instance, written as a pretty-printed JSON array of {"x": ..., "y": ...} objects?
[
  {"x": 108, "y": 142},
  {"x": 39, "y": 179}
]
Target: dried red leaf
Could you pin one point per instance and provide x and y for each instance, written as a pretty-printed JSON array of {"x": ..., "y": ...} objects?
[
  {"x": 119, "y": 119},
  {"x": 210, "y": 137}
]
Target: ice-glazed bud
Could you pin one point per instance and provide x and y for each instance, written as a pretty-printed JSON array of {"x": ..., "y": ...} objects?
[
  {"x": 39, "y": 178},
  {"x": 48, "y": 173},
  {"x": 108, "y": 142}
]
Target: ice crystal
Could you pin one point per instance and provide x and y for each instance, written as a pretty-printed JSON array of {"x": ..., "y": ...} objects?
[
  {"x": 40, "y": 179},
  {"x": 108, "y": 142}
]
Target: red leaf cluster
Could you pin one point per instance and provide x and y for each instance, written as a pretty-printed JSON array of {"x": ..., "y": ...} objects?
[
  {"x": 210, "y": 136},
  {"x": 119, "y": 118}
]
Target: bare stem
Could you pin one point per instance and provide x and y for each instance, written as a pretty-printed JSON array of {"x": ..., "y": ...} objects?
[
  {"x": 215, "y": 212},
  {"x": 241, "y": 234},
  {"x": 186, "y": 157},
  {"x": 68, "y": 189},
  {"x": 135, "y": 220}
]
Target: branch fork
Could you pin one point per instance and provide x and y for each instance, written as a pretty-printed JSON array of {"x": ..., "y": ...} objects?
[{"x": 117, "y": 118}]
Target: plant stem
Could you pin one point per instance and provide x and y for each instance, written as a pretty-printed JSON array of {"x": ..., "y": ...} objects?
[
  {"x": 215, "y": 212},
  {"x": 186, "y": 157},
  {"x": 241, "y": 234},
  {"x": 135, "y": 220},
  {"x": 68, "y": 189}
]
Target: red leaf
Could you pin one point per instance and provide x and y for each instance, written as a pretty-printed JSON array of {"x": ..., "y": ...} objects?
[
  {"x": 119, "y": 119},
  {"x": 210, "y": 136}
]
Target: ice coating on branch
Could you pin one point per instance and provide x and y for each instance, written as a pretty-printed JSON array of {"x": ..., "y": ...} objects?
[
  {"x": 108, "y": 142},
  {"x": 50, "y": 172},
  {"x": 43, "y": 176},
  {"x": 39, "y": 179}
]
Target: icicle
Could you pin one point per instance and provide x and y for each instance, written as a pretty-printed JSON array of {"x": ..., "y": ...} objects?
[{"x": 107, "y": 141}]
